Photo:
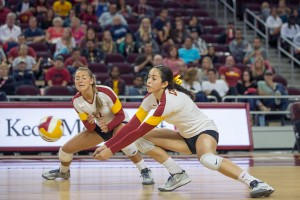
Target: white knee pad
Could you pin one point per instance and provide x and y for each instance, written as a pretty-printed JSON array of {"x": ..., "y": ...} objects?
[
  {"x": 211, "y": 161},
  {"x": 144, "y": 145},
  {"x": 64, "y": 157},
  {"x": 130, "y": 150}
]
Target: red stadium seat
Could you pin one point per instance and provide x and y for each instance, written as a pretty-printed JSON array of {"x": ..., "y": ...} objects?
[
  {"x": 124, "y": 68},
  {"x": 280, "y": 79},
  {"x": 293, "y": 91},
  {"x": 98, "y": 68},
  {"x": 27, "y": 90},
  {"x": 114, "y": 58},
  {"x": 128, "y": 78},
  {"x": 39, "y": 46},
  {"x": 131, "y": 57},
  {"x": 58, "y": 90}
]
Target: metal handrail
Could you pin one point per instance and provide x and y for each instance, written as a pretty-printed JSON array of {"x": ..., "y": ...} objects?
[
  {"x": 227, "y": 7},
  {"x": 68, "y": 98},
  {"x": 288, "y": 54},
  {"x": 236, "y": 97},
  {"x": 254, "y": 27}
]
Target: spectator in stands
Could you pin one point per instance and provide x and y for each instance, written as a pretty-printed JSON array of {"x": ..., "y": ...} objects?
[
  {"x": 33, "y": 33},
  {"x": 162, "y": 27},
  {"x": 274, "y": 22},
  {"x": 55, "y": 32},
  {"x": 145, "y": 40},
  {"x": 89, "y": 35},
  {"x": 265, "y": 10},
  {"x": 269, "y": 87},
  {"x": 89, "y": 17},
  {"x": 108, "y": 45},
  {"x": 102, "y": 6},
  {"x": 9, "y": 32},
  {"x": 65, "y": 43},
  {"x": 118, "y": 30},
  {"x": 7, "y": 82},
  {"x": 191, "y": 83},
  {"x": 144, "y": 62},
  {"x": 290, "y": 29},
  {"x": 3, "y": 58},
  {"x": 58, "y": 75},
  {"x": 182, "y": 68},
  {"x": 92, "y": 53},
  {"x": 31, "y": 63},
  {"x": 115, "y": 82},
  {"x": 247, "y": 86},
  {"x": 230, "y": 74},
  {"x": 142, "y": 10},
  {"x": 283, "y": 10},
  {"x": 128, "y": 46},
  {"x": 198, "y": 42},
  {"x": 215, "y": 87},
  {"x": 239, "y": 46},
  {"x": 259, "y": 67},
  {"x": 81, "y": 7},
  {"x": 47, "y": 22},
  {"x": 68, "y": 20},
  {"x": 24, "y": 10},
  {"x": 202, "y": 73},
  {"x": 62, "y": 8},
  {"x": 41, "y": 7},
  {"x": 78, "y": 30},
  {"x": 296, "y": 42},
  {"x": 179, "y": 33},
  {"x": 157, "y": 60},
  {"x": 295, "y": 13},
  {"x": 188, "y": 53},
  {"x": 106, "y": 18},
  {"x": 144, "y": 28},
  {"x": 227, "y": 36},
  {"x": 75, "y": 61},
  {"x": 3, "y": 11},
  {"x": 172, "y": 59},
  {"x": 22, "y": 75},
  {"x": 194, "y": 24},
  {"x": 257, "y": 50},
  {"x": 124, "y": 9},
  {"x": 138, "y": 88},
  {"x": 14, "y": 52},
  {"x": 212, "y": 54}
]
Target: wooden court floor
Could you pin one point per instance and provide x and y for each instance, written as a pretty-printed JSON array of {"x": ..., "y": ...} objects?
[{"x": 20, "y": 179}]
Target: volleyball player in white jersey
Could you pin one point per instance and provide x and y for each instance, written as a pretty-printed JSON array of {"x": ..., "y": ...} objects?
[
  {"x": 196, "y": 134},
  {"x": 102, "y": 114}
]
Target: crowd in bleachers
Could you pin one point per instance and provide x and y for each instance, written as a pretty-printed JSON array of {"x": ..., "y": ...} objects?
[{"x": 43, "y": 42}]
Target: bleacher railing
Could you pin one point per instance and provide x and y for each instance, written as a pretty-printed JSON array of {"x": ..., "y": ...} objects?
[
  {"x": 253, "y": 21},
  {"x": 289, "y": 54},
  {"x": 229, "y": 8}
]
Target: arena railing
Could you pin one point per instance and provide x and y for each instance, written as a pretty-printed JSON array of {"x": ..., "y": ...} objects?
[
  {"x": 254, "y": 21},
  {"x": 228, "y": 8},
  {"x": 294, "y": 60},
  {"x": 68, "y": 98}
]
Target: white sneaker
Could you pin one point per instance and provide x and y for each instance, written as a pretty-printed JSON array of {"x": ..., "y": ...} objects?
[
  {"x": 175, "y": 181},
  {"x": 147, "y": 176},
  {"x": 260, "y": 189}
]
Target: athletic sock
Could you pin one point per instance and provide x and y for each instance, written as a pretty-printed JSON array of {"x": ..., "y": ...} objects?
[
  {"x": 141, "y": 165},
  {"x": 63, "y": 169},
  {"x": 246, "y": 178},
  {"x": 172, "y": 166}
]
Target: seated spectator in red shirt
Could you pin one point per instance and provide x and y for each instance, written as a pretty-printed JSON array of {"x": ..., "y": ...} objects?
[
  {"x": 54, "y": 32},
  {"x": 229, "y": 73},
  {"x": 14, "y": 52},
  {"x": 75, "y": 61},
  {"x": 58, "y": 75},
  {"x": 25, "y": 10},
  {"x": 3, "y": 12},
  {"x": 78, "y": 30},
  {"x": 115, "y": 82},
  {"x": 89, "y": 17}
]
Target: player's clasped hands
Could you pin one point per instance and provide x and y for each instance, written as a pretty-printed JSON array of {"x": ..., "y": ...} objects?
[
  {"x": 102, "y": 153},
  {"x": 103, "y": 126}
]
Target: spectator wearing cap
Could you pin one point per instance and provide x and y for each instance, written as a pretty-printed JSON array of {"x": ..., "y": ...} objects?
[
  {"x": 22, "y": 75},
  {"x": 14, "y": 52},
  {"x": 30, "y": 61},
  {"x": 58, "y": 75},
  {"x": 9, "y": 32},
  {"x": 33, "y": 33},
  {"x": 188, "y": 53},
  {"x": 269, "y": 87},
  {"x": 199, "y": 43},
  {"x": 75, "y": 61}
]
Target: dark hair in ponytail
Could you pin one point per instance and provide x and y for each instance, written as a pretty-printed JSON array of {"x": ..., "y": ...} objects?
[{"x": 167, "y": 75}]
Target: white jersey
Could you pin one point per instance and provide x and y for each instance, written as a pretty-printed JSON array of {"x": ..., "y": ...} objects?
[
  {"x": 111, "y": 112},
  {"x": 178, "y": 109}
]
